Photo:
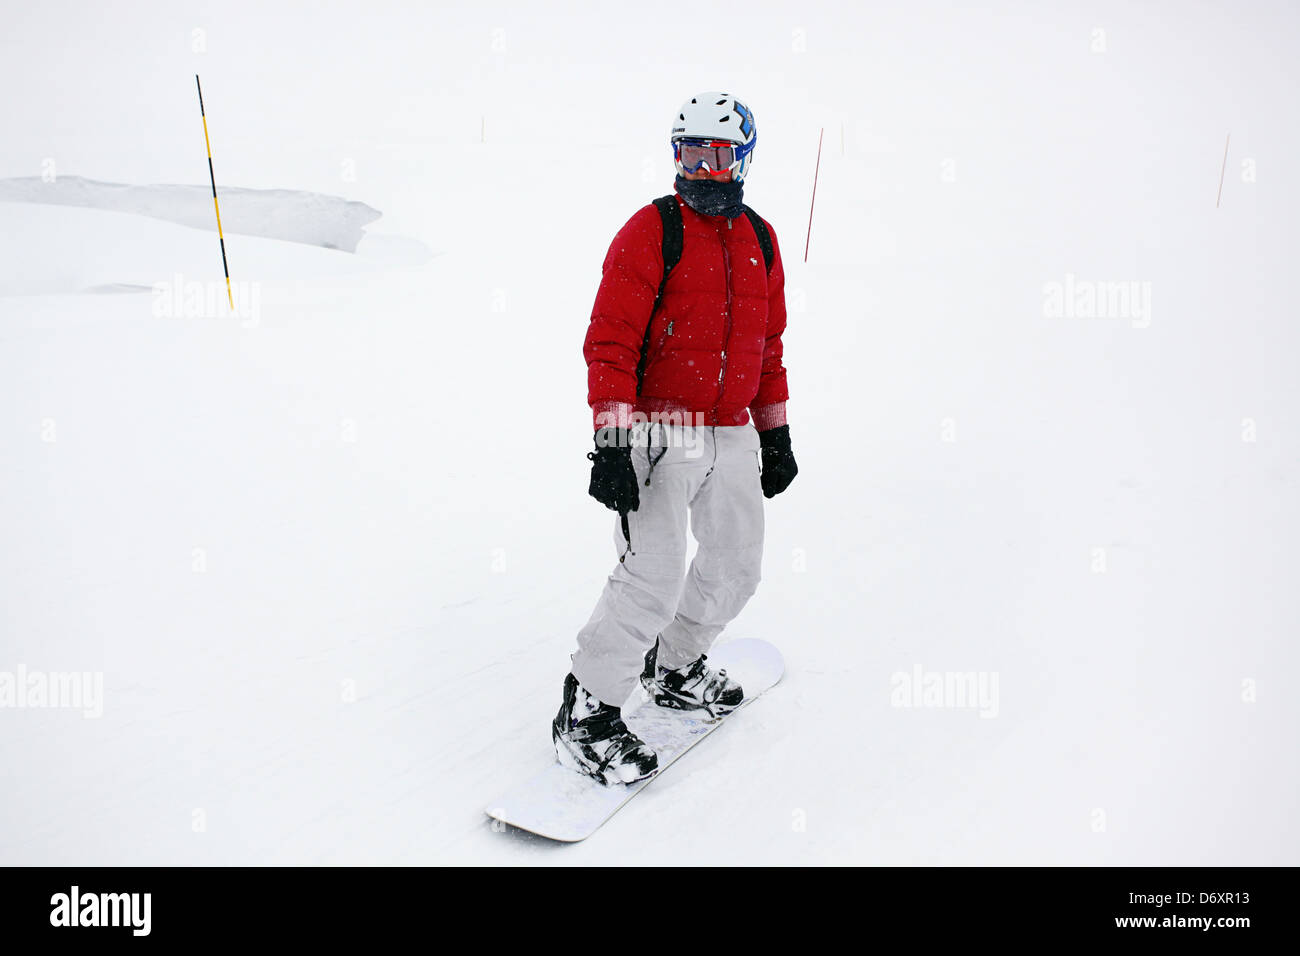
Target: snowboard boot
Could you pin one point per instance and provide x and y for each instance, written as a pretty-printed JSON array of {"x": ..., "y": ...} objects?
[
  {"x": 591, "y": 738},
  {"x": 693, "y": 687}
]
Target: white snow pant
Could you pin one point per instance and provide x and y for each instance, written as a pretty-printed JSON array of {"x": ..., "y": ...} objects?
[{"x": 712, "y": 472}]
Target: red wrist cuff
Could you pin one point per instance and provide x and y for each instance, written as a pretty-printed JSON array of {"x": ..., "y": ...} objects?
[
  {"x": 611, "y": 415},
  {"x": 768, "y": 416}
]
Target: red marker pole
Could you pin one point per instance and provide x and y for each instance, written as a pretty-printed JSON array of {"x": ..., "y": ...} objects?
[
  {"x": 1223, "y": 170},
  {"x": 808, "y": 241}
]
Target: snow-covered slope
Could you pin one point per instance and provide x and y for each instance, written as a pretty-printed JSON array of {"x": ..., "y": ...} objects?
[
  {"x": 62, "y": 249},
  {"x": 330, "y": 559}
]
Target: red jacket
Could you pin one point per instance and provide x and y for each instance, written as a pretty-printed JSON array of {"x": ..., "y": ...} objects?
[{"x": 715, "y": 341}]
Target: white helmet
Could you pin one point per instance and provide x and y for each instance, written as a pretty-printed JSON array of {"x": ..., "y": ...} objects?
[{"x": 718, "y": 116}]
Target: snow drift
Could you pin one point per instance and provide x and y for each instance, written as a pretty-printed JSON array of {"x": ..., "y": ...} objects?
[{"x": 316, "y": 219}]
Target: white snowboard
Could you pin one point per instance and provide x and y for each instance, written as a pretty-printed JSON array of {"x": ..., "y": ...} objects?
[{"x": 567, "y": 806}]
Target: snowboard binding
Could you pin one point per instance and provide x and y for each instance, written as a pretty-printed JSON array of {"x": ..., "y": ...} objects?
[{"x": 695, "y": 687}]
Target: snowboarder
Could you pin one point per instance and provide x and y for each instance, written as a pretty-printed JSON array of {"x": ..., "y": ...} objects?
[{"x": 688, "y": 393}]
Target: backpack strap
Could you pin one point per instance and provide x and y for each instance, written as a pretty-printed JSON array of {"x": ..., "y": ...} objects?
[
  {"x": 671, "y": 215},
  {"x": 764, "y": 240}
]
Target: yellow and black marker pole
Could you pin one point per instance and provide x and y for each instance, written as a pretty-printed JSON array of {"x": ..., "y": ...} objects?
[{"x": 213, "y": 177}]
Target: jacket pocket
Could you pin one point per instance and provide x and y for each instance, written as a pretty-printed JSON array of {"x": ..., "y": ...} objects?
[{"x": 659, "y": 347}]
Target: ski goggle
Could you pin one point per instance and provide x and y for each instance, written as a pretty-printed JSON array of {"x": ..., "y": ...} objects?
[{"x": 716, "y": 156}]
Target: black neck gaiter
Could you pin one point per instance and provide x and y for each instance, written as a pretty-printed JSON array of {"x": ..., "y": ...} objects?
[{"x": 710, "y": 197}]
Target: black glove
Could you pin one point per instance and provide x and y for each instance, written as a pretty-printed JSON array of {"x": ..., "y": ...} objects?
[
  {"x": 613, "y": 478},
  {"x": 779, "y": 468}
]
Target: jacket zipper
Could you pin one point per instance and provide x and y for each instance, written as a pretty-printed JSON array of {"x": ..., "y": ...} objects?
[{"x": 726, "y": 338}]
